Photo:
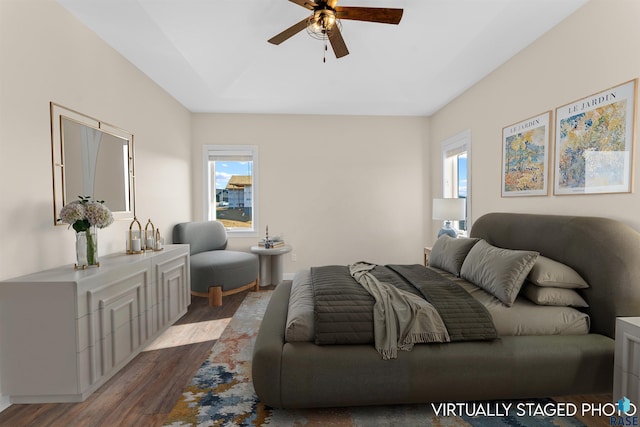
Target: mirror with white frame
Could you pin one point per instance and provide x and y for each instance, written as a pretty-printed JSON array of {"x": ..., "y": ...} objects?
[{"x": 91, "y": 158}]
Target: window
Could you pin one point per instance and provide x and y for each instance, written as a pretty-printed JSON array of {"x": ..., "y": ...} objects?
[
  {"x": 230, "y": 187},
  {"x": 456, "y": 178}
]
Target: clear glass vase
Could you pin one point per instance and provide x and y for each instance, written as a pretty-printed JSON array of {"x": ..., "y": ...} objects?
[{"x": 87, "y": 249}]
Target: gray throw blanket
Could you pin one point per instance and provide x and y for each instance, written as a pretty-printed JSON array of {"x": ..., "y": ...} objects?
[
  {"x": 401, "y": 319},
  {"x": 465, "y": 318}
]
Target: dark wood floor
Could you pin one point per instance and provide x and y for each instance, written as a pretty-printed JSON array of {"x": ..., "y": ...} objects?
[{"x": 145, "y": 391}]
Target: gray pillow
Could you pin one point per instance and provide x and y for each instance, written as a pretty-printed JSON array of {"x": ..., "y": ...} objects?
[
  {"x": 448, "y": 253},
  {"x": 561, "y": 297},
  {"x": 300, "y": 317},
  {"x": 547, "y": 272},
  {"x": 501, "y": 272}
]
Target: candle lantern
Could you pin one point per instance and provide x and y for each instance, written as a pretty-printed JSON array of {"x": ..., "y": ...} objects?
[
  {"x": 159, "y": 241},
  {"x": 134, "y": 236},
  {"x": 149, "y": 236}
]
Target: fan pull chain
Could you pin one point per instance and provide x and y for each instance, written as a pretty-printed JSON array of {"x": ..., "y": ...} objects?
[{"x": 324, "y": 57}]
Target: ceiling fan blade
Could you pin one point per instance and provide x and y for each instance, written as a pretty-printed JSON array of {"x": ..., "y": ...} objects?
[
  {"x": 289, "y": 32},
  {"x": 307, "y": 4},
  {"x": 370, "y": 14},
  {"x": 337, "y": 42}
]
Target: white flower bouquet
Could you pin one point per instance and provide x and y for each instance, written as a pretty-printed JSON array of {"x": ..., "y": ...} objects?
[{"x": 84, "y": 215}]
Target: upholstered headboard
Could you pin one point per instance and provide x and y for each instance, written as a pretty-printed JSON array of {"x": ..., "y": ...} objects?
[{"x": 605, "y": 252}]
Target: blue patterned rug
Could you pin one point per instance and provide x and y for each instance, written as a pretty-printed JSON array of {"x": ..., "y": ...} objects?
[{"x": 221, "y": 394}]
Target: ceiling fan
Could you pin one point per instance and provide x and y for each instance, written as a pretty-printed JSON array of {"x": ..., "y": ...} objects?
[{"x": 324, "y": 23}]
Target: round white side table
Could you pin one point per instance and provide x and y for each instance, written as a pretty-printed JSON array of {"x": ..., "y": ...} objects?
[{"x": 270, "y": 263}]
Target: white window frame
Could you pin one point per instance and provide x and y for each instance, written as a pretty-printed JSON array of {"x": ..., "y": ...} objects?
[
  {"x": 209, "y": 151},
  {"x": 458, "y": 143}
]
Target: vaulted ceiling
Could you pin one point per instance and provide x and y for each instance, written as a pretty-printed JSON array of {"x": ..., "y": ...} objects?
[{"x": 213, "y": 55}]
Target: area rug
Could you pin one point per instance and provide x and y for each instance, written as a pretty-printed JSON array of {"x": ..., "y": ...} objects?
[{"x": 221, "y": 394}]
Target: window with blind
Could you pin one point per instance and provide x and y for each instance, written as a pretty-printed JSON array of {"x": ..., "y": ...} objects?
[{"x": 230, "y": 186}]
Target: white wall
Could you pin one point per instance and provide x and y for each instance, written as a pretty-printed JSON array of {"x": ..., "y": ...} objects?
[
  {"x": 340, "y": 189},
  {"x": 593, "y": 49},
  {"x": 47, "y": 55}
]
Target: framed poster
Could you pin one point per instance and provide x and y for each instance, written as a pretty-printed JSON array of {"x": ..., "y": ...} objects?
[
  {"x": 525, "y": 157},
  {"x": 594, "y": 142}
]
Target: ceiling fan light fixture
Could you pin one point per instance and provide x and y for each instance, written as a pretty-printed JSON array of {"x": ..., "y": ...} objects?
[
  {"x": 324, "y": 24},
  {"x": 319, "y": 24}
]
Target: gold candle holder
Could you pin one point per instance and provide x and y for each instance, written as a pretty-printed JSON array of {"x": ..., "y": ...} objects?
[
  {"x": 135, "y": 244},
  {"x": 149, "y": 236},
  {"x": 159, "y": 246}
]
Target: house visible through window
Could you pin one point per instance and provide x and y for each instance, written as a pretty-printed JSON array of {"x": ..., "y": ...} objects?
[
  {"x": 455, "y": 173},
  {"x": 230, "y": 186}
]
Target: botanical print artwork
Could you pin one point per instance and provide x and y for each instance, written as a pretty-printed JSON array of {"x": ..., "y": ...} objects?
[
  {"x": 524, "y": 161},
  {"x": 592, "y": 147},
  {"x": 525, "y": 153},
  {"x": 594, "y": 142}
]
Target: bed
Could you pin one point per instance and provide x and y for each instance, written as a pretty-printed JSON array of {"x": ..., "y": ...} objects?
[{"x": 517, "y": 364}]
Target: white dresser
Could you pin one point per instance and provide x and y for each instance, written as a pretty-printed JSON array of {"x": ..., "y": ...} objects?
[
  {"x": 626, "y": 380},
  {"x": 64, "y": 332}
]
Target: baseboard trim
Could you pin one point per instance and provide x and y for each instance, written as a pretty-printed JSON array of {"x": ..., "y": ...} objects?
[{"x": 5, "y": 402}]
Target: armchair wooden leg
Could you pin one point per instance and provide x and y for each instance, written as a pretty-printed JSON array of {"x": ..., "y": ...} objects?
[
  {"x": 215, "y": 293},
  {"x": 215, "y": 296}
]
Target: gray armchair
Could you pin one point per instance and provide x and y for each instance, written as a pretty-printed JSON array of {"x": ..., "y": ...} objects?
[{"x": 215, "y": 271}]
